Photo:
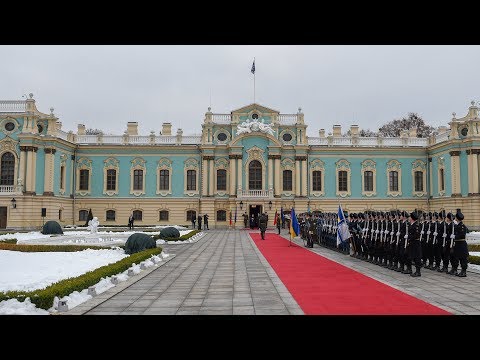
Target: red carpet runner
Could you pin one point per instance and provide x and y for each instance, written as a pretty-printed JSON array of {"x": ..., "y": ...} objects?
[{"x": 321, "y": 286}]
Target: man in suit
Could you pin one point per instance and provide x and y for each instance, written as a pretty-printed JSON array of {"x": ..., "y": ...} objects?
[{"x": 262, "y": 224}]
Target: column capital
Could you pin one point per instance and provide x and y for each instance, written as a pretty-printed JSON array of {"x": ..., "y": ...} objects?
[
  {"x": 468, "y": 152},
  {"x": 29, "y": 148},
  {"x": 300, "y": 158},
  {"x": 234, "y": 156},
  {"x": 429, "y": 159},
  {"x": 208, "y": 157},
  {"x": 274, "y": 156},
  {"x": 50, "y": 150},
  {"x": 454, "y": 153},
  {"x": 475, "y": 151}
]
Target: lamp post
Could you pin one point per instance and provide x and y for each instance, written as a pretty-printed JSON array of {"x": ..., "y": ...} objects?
[
  {"x": 14, "y": 203},
  {"x": 241, "y": 205},
  {"x": 270, "y": 204}
]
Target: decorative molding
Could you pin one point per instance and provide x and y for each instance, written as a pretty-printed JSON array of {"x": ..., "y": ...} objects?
[
  {"x": 192, "y": 164},
  {"x": 343, "y": 165},
  {"x": 226, "y": 132},
  {"x": 274, "y": 157},
  {"x": 255, "y": 153},
  {"x": 369, "y": 165},
  {"x": 300, "y": 158},
  {"x": 317, "y": 165},
  {"x": 84, "y": 163},
  {"x": 419, "y": 165},
  {"x": 234, "y": 156},
  {"x": 208, "y": 157},
  {"x": 441, "y": 166},
  {"x": 454, "y": 153},
  {"x": 394, "y": 165},
  {"x": 222, "y": 164},
  {"x": 63, "y": 163},
  {"x": 7, "y": 120},
  {"x": 110, "y": 163},
  {"x": 164, "y": 164},
  {"x": 29, "y": 148},
  {"x": 138, "y": 164},
  {"x": 287, "y": 131},
  {"x": 475, "y": 151}
]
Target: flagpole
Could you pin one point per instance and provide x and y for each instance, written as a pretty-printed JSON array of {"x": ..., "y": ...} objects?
[{"x": 254, "y": 83}]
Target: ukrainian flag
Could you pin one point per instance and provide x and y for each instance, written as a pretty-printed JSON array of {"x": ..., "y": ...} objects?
[{"x": 294, "y": 225}]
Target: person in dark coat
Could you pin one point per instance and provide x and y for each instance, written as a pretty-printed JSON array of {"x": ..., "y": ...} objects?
[
  {"x": 459, "y": 251},
  {"x": 205, "y": 222},
  {"x": 262, "y": 224},
  {"x": 199, "y": 222},
  {"x": 279, "y": 223},
  {"x": 130, "y": 221},
  {"x": 193, "y": 222},
  {"x": 415, "y": 247},
  {"x": 245, "y": 219}
]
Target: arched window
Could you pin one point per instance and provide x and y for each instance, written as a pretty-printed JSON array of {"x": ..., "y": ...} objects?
[
  {"x": 110, "y": 215},
  {"x": 164, "y": 180},
  {"x": 393, "y": 180},
  {"x": 191, "y": 214},
  {"x": 255, "y": 175},
  {"x": 137, "y": 215},
  {"x": 287, "y": 180},
  {"x": 191, "y": 180},
  {"x": 84, "y": 177},
  {"x": 342, "y": 181},
  {"x": 82, "y": 215},
  {"x": 221, "y": 179},
  {"x": 8, "y": 169},
  {"x": 221, "y": 215},
  {"x": 368, "y": 180},
  {"x": 111, "y": 179},
  {"x": 164, "y": 215},
  {"x": 137, "y": 180}
]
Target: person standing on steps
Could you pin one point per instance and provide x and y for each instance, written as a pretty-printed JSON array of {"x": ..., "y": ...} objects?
[
  {"x": 199, "y": 222},
  {"x": 262, "y": 224},
  {"x": 205, "y": 222}
]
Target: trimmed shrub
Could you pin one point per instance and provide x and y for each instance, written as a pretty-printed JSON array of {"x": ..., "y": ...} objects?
[
  {"x": 138, "y": 242},
  {"x": 8, "y": 241},
  {"x": 44, "y": 298},
  {"x": 183, "y": 237},
  {"x": 474, "y": 260},
  {"x": 52, "y": 227},
  {"x": 47, "y": 248},
  {"x": 473, "y": 247},
  {"x": 169, "y": 232}
]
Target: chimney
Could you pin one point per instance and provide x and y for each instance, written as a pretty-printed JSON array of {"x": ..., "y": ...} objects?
[
  {"x": 132, "y": 128},
  {"x": 321, "y": 133},
  {"x": 166, "y": 128},
  {"x": 81, "y": 129},
  {"x": 353, "y": 130},
  {"x": 337, "y": 130},
  {"x": 413, "y": 132}
]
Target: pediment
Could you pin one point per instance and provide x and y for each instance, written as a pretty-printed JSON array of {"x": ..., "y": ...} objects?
[{"x": 260, "y": 108}]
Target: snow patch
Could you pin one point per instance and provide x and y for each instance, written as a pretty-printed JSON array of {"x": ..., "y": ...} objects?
[{"x": 15, "y": 307}]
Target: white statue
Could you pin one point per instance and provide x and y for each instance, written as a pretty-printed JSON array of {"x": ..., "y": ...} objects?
[
  {"x": 243, "y": 128},
  {"x": 93, "y": 225},
  {"x": 254, "y": 125},
  {"x": 266, "y": 128}
]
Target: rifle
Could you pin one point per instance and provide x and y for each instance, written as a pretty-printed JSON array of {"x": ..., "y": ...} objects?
[
  {"x": 444, "y": 235},
  {"x": 406, "y": 234},
  {"x": 391, "y": 232},
  {"x": 452, "y": 236},
  {"x": 398, "y": 232},
  {"x": 435, "y": 233}
]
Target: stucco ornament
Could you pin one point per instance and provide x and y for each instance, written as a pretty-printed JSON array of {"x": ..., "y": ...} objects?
[{"x": 254, "y": 125}]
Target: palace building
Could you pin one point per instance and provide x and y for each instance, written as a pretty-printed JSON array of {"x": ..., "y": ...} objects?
[{"x": 252, "y": 160}]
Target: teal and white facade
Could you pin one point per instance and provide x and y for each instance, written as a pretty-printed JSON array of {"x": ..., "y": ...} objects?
[{"x": 252, "y": 159}]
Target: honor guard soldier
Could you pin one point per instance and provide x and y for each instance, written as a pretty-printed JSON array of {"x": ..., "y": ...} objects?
[
  {"x": 458, "y": 246},
  {"x": 402, "y": 243},
  {"x": 422, "y": 223},
  {"x": 415, "y": 248},
  {"x": 446, "y": 244},
  {"x": 441, "y": 234},
  {"x": 430, "y": 236},
  {"x": 309, "y": 229}
]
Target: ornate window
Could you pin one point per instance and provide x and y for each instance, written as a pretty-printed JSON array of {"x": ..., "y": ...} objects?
[
  {"x": 110, "y": 215},
  {"x": 9, "y": 125},
  {"x": 287, "y": 137},
  {"x": 138, "y": 172},
  {"x": 164, "y": 178},
  {"x": 222, "y": 136},
  {"x": 190, "y": 176},
  {"x": 84, "y": 179},
  {"x": 163, "y": 215},
  {"x": 221, "y": 215},
  {"x": 369, "y": 178},
  {"x": 255, "y": 164},
  {"x": 84, "y": 173},
  {"x": 110, "y": 175},
  {"x": 137, "y": 215},
  {"x": 317, "y": 177},
  {"x": 394, "y": 178},
  {"x": 343, "y": 178},
  {"x": 441, "y": 176},
  {"x": 288, "y": 165},
  {"x": 255, "y": 175},
  {"x": 287, "y": 180},
  {"x": 63, "y": 170},
  {"x": 419, "y": 169},
  {"x": 7, "y": 169},
  {"x": 83, "y": 215},
  {"x": 221, "y": 180},
  {"x": 191, "y": 214}
]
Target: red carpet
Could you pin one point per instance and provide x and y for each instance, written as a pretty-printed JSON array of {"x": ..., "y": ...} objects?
[{"x": 321, "y": 286}]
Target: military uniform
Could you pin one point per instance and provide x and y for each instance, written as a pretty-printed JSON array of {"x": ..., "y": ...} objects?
[
  {"x": 414, "y": 245},
  {"x": 459, "y": 252}
]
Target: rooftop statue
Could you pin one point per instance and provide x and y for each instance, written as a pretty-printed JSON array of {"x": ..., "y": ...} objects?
[{"x": 254, "y": 126}]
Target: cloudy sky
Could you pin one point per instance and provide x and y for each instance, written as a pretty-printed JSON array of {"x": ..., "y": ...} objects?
[{"x": 106, "y": 86}]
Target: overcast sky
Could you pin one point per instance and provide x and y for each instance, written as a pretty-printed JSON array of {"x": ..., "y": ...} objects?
[{"x": 106, "y": 86}]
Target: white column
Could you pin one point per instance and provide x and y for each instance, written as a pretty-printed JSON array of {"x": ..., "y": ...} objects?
[
  {"x": 277, "y": 176},
  {"x": 455, "y": 167},
  {"x": 474, "y": 170},
  {"x": 232, "y": 174},
  {"x": 297, "y": 178},
  {"x": 270, "y": 173},
  {"x": 211, "y": 179},
  {"x": 430, "y": 169},
  {"x": 21, "y": 170},
  {"x": 48, "y": 176},
  {"x": 239, "y": 174},
  {"x": 304, "y": 178},
  {"x": 204, "y": 177}
]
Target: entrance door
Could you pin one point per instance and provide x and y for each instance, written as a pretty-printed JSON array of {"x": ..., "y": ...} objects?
[
  {"x": 255, "y": 211},
  {"x": 3, "y": 217}
]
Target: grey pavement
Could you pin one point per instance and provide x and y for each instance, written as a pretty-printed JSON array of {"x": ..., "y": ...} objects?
[{"x": 225, "y": 274}]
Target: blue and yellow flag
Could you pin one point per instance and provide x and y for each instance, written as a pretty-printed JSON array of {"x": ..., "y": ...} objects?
[{"x": 294, "y": 225}]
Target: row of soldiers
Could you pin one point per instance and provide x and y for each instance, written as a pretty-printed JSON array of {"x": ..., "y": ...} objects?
[{"x": 396, "y": 239}]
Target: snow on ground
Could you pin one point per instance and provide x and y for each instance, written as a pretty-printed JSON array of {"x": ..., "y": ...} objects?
[
  {"x": 26, "y": 271},
  {"x": 15, "y": 307},
  {"x": 474, "y": 253},
  {"x": 24, "y": 236}
]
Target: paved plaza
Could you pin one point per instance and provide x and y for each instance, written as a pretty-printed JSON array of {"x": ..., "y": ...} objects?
[{"x": 225, "y": 274}]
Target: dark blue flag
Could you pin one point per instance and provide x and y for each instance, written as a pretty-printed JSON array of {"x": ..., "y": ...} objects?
[{"x": 253, "y": 67}]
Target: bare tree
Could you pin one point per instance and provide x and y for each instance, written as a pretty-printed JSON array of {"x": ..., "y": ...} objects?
[
  {"x": 93, "y": 131},
  {"x": 394, "y": 128},
  {"x": 364, "y": 133}
]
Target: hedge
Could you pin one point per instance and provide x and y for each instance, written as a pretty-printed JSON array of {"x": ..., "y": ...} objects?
[
  {"x": 183, "y": 237},
  {"x": 47, "y": 248},
  {"x": 8, "y": 241},
  {"x": 473, "y": 247},
  {"x": 474, "y": 260},
  {"x": 44, "y": 298}
]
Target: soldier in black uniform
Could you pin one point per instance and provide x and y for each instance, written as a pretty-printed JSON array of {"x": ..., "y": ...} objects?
[
  {"x": 309, "y": 229},
  {"x": 441, "y": 234},
  {"x": 415, "y": 248},
  {"x": 459, "y": 252},
  {"x": 403, "y": 253},
  {"x": 446, "y": 244}
]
